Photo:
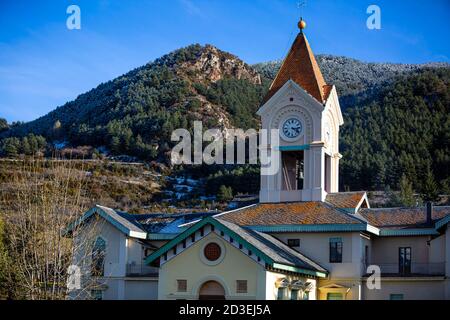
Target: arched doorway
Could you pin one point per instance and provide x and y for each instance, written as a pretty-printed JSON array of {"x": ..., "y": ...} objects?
[{"x": 211, "y": 290}]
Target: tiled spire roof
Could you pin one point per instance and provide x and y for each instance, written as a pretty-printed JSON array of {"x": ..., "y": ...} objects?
[{"x": 301, "y": 66}]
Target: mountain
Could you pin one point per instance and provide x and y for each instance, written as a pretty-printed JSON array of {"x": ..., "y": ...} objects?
[
  {"x": 136, "y": 113},
  {"x": 396, "y": 116}
]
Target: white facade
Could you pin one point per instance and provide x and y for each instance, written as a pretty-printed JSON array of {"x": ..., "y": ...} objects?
[
  {"x": 319, "y": 140},
  {"x": 125, "y": 276}
]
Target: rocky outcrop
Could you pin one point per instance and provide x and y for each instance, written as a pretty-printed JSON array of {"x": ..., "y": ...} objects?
[{"x": 213, "y": 65}]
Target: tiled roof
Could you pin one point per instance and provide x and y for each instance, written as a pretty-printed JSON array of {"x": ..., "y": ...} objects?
[
  {"x": 274, "y": 248},
  {"x": 301, "y": 66},
  {"x": 292, "y": 213},
  {"x": 345, "y": 199},
  {"x": 398, "y": 218}
]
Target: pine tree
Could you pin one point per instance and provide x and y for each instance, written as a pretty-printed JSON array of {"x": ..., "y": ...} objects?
[
  {"x": 3, "y": 125},
  {"x": 430, "y": 190},
  {"x": 115, "y": 145},
  {"x": 10, "y": 149},
  {"x": 225, "y": 193},
  {"x": 406, "y": 196}
]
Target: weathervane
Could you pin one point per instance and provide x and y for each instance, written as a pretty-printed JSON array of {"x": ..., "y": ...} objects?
[
  {"x": 301, "y": 23},
  {"x": 301, "y": 5}
]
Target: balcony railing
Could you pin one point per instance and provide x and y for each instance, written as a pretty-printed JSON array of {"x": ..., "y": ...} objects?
[
  {"x": 141, "y": 270},
  {"x": 414, "y": 270}
]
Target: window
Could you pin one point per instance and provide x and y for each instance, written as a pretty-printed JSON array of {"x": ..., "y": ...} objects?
[
  {"x": 334, "y": 296},
  {"x": 294, "y": 243},
  {"x": 306, "y": 295},
  {"x": 97, "y": 294},
  {"x": 404, "y": 260},
  {"x": 335, "y": 250},
  {"x": 293, "y": 170},
  {"x": 212, "y": 251},
  {"x": 396, "y": 296},
  {"x": 98, "y": 257},
  {"x": 182, "y": 285},
  {"x": 294, "y": 294},
  {"x": 241, "y": 286},
  {"x": 281, "y": 293}
]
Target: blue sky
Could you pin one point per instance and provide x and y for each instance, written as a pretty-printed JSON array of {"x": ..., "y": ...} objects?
[{"x": 43, "y": 64}]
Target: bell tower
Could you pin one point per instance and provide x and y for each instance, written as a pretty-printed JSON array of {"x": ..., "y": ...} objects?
[{"x": 306, "y": 112}]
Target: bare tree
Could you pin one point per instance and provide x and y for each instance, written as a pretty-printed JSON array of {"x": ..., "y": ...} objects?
[{"x": 45, "y": 198}]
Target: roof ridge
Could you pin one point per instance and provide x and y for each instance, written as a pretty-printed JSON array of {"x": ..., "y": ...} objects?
[
  {"x": 353, "y": 216},
  {"x": 287, "y": 248},
  {"x": 276, "y": 242}
]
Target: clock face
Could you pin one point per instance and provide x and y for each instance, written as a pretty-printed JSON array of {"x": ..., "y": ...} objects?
[{"x": 292, "y": 128}]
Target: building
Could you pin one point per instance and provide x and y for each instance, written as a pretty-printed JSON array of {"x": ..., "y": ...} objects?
[{"x": 303, "y": 240}]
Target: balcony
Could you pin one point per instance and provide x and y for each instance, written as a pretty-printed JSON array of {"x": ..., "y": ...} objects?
[
  {"x": 141, "y": 270},
  {"x": 414, "y": 270}
]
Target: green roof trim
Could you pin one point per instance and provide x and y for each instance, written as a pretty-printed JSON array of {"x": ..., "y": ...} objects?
[
  {"x": 310, "y": 227},
  {"x": 408, "y": 232},
  {"x": 209, "y": 220},
  {"x": 299, "y": 270},
  {"x": 442, "y": 222},
  {"x": 294, "y": 148},
  {"x": 136, "y": 233},
  {"x": 237, "y": 238}
]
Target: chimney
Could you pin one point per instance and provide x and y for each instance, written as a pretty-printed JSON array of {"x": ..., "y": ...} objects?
[{"x": 429, "y": 209}]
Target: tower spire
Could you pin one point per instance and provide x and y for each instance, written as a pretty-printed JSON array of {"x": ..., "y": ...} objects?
[{"x": 301, "y": 66}]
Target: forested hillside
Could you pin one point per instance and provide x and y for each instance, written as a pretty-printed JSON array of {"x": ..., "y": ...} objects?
[
  {"x": 405, "y": 130},
  {"x": 354, "y": 79},
  {"x": 396, "y": 117}
]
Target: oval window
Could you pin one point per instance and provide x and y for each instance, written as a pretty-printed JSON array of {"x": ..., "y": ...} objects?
[{"x": 212, "y": 251}]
